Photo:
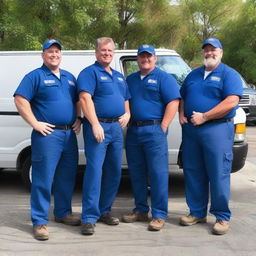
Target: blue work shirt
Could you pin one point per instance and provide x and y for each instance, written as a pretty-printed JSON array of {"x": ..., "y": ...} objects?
[
  {"x": 150, "y": 95},
  {"x": 52, "y": 99},
  {"x": 109, "y": 91},
  {"x": 202, "y": 95}
]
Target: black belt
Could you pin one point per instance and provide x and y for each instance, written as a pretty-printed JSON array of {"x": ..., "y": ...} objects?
[
  {"x": 62, "y": 127},
  {"x": 144, "y": 123},
  {"x": 221, "y": 120},
  {"x": 108, "y": 120}
]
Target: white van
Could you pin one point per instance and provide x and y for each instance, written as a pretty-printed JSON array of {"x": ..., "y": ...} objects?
[{"x": 15, "y": 147}]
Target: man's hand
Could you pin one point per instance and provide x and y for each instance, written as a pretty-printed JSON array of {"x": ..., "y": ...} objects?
[
  {"x": 44, "y": 128},
  {"x": 183, "y": 119},
  {"x": 198, "y": 118},
  {"x": 77, "y": 126},
  {"x": 98, "y": 132},
  {"x": 124, "y": 119}
]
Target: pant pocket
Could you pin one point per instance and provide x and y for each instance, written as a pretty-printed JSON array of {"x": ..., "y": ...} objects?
[{"x": 228, "y": 158}]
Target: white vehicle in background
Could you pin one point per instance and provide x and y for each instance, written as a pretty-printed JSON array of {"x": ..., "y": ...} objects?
[{"x": 15, "y": 146}]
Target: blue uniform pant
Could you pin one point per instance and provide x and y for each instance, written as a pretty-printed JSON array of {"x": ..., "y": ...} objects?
[
  {"x": 147, "y": 157},
  {"x": 207, "y": 161},
  {"x": 103, "y": 170},
  {"x": 54, "y": 168}
]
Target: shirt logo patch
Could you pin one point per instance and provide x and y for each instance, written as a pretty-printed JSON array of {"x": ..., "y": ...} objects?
[
  {"x": 152, "y": 81},
  {"x": 71, "y": 83},
  {"x": 49, "y": 81},
  {"x": 104, "y": 78},
  {"x": 215, "y": 78},
  {"x": 120, "y": 79}
]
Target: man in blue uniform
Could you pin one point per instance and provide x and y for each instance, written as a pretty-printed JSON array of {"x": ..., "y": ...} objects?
[
  {"x": 154, "y": 102},
  {"x": 210, "y": 95},
  {"x": 104, "y": 99},
  {"x": 47, "y": 100}
]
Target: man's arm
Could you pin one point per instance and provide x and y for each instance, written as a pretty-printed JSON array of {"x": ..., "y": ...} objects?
[
  {"x": 25, "y": 111},
  {"x": 77, "y": 124},
  {"x": 90, "y": 113},
  {"x": 217, "y": 112},
  {"x": 170, "y": 111},
  {"x": 124, "y": 119},
  {"x": 182, "y": 118}
]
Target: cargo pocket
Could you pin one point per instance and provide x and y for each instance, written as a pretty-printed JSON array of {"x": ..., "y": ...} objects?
[{"x": 228, "y": 158}]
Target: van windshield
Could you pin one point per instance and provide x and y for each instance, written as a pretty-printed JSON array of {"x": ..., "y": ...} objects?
[{"x": 173, "y": 65}]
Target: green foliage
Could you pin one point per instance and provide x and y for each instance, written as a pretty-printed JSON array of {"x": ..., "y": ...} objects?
[
  {"x": 239, "y": 41},
  {"x": 204, "y": 19}
]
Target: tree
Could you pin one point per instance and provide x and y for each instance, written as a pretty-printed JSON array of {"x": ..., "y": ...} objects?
[
  {"x": 204, "y": 19},
  {"x": 239, "y": 41}
]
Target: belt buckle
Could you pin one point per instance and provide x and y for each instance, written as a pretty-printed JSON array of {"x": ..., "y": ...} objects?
[{"x": 66, "y": 127}]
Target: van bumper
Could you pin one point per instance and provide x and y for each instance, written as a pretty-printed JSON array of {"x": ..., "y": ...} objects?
[{"x": 240, "y": 152}]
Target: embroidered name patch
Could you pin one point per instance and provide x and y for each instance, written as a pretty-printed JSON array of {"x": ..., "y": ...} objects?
[
  {"x": 49, "y": 81},
  {"x": 104, "y": 78},
  {"x": 215, "y": 78},
  {"x": 71, "y": 83},
  {"x": 152, "y": 81},
  {"x": 120, "y": 79}
]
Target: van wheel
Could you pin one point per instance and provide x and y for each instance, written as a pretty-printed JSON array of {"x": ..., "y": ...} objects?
[{"x": 26, "y": 172}]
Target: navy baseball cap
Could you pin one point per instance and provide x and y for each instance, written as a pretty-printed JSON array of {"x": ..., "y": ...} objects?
[
  {"x": 146, "y": 48},
  {"x": 48, "y": 43},
  {"x": 212, "y": 41}
]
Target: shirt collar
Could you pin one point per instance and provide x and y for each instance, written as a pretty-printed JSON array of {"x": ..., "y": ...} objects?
[
  {"x": 216, "y": 70},
  {"x": 154, "y": 71},
  {"x": 49, "y": 72},
  {"x": 101, "y": 68}
]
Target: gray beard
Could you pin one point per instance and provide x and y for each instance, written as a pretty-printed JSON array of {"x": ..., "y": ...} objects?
[{"x": 210, "y": 62}]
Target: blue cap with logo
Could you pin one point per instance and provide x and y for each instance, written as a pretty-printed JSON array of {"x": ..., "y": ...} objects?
[
  {"x": 146, "y": 48},
  {"x": 212, "y": 41},
  {"x": 48, "y": 43}
]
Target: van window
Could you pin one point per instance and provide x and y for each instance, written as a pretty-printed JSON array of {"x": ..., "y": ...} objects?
[{"x": 171, "y": 64}]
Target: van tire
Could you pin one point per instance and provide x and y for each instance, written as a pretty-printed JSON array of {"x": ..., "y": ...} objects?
[{"x": 26, "y": 172}]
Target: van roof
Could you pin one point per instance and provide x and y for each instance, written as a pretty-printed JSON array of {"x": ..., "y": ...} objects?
[{"x": 159, "y": 51}]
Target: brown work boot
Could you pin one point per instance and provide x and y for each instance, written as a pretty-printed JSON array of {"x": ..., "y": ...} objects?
[
  {"x": 108, "y": 219},
  {"x": 191, "y": 220},
  {"x": 41, "y": 232},
  {"x": 220, "y": 227},
  {"x": 69, "y": 219},
  {"x": 135, "y": 216},
  {"x": 88, "y": 228},
  {"x": 156, "y": 224}
]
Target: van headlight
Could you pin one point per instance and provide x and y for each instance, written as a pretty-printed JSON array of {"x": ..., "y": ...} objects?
[
  {"x": 252, "y": 99},
  {"x": 239, "y": 132}
]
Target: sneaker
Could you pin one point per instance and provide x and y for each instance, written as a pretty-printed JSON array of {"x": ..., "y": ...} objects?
[
  {"x": 108, "y": 219},
  {"x": 87, "y": 228},
  {"x": 69, "y": 219},
  {"x": 156, "y": 224},
  {"x": 220, "y": 227},
  {"x": 191, "y": 220},
  {"x": 41, "y": 232},
  {"x": 135, "y": 216}
]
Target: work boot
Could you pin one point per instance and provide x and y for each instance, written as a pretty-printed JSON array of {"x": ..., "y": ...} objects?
[
  {"x": 69, "y": 219},
  {"x": 156, "y": 224},
  {"x": 135, "y": 216},
  {"x": 191, "y": 220},
  {"x": 108, "y": 219},
  {"x": 41, "y": 232},
  {"x": 87, "y": 228},
  {"x": 220, "y": 227}
]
